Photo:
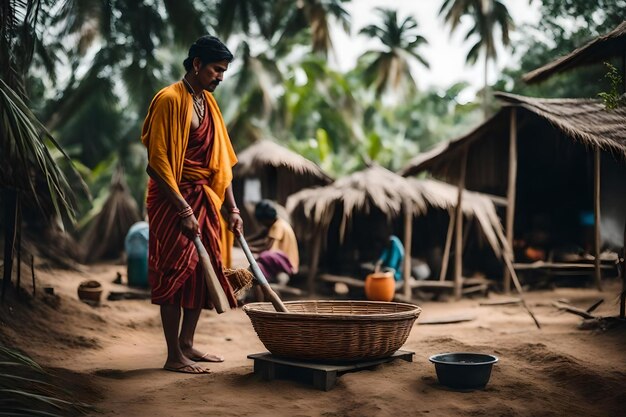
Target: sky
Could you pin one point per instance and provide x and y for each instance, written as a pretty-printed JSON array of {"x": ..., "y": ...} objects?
[{"x": 445, "y": 53}]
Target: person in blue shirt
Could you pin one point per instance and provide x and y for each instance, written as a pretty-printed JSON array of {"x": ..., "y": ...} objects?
[{"x": 391, "y": 257}]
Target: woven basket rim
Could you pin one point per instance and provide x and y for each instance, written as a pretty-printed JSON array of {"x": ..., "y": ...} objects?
[{"x": 413, "y": 310}]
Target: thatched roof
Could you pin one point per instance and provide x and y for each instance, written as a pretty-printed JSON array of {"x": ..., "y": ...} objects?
[
  {"x": 262, "y": 154},
  {"x": 600, "y": 49},
  {"x": 582, "y": 120},
  {"x": 376, "y": 187},
  {"x": 373, "y": 188}
]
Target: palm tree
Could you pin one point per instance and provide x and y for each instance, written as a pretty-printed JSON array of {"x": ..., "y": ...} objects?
[
  {"x": 316, "y": 14},
  {"x": 30, "y": 177},
  {"x": 487, "y": 15},
  {"x": 389, "y": 69}
]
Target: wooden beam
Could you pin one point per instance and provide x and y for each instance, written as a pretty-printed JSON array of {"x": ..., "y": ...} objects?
[
  {"x": 446, "y": 249},
  {"x": 408, "y": 235},
  {"x": 596, "y": 218},
  {"x": 458, "y": 239},
  {"x": 510, "y": 192},
  {"x": 314, "y": 263}
]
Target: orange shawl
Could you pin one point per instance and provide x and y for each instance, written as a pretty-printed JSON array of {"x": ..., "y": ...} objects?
[{"x": 165, "y": 134}]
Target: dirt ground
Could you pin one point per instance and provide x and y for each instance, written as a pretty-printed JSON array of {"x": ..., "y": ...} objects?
[{"x": 111, "y": 357}]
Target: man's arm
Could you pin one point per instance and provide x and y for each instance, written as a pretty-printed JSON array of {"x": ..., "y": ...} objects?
[{"x": 189, "y": 225}]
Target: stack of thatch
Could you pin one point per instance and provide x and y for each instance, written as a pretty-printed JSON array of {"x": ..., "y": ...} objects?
[{"x": 105, "y": 233}]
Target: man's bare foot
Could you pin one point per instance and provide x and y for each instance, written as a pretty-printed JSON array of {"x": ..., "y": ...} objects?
[{"x": 197, "y": 356}]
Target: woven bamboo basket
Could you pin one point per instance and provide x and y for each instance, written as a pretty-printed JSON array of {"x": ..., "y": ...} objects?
[{"x": 335, "y": 331}]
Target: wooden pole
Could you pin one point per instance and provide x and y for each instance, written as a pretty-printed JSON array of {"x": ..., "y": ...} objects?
[
  {"x": 458, "y": 239},
  {"x": 314, "y": 263},
  {"x": 510, "y": 193},
  {"x": 596, "y": 218},
  {"x": 446, "y": 250},
  {"x": 408, "y": 235}
]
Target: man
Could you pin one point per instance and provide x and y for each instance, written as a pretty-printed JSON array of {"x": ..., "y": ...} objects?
[
  {"x": 276, "y": 245},
  {"x": 190, "y": 160}
]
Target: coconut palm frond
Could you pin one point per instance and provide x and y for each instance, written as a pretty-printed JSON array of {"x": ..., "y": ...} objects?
[
  {"x": 27, "y": 390},
  {"x": 25, "y": 152}
]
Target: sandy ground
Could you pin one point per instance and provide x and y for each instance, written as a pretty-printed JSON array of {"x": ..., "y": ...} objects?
[{"x": 111, "y": 356}]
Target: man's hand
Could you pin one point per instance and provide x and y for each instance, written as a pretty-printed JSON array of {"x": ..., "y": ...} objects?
[
  {"x": 189, "y": 226},
  {"x": 235, "y": 223}
]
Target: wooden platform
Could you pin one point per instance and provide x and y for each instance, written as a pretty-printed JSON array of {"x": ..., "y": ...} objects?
[{"x": 322, "y": 376}]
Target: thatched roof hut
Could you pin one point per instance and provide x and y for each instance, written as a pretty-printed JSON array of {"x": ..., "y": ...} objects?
[
  {"x": 543, "y": 157},
  {"x": 346, "y": 216},
  {"x": 267, "y": 170},
  {"x": 600, "y": 49},
  {"x": 105, "y": 233},
  {"x": 281, "y": 171}
]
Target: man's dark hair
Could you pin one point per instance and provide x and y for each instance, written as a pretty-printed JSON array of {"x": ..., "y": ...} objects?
[
  {"x": 208, "y": 49},
  {"x": 265, "y": 210}
]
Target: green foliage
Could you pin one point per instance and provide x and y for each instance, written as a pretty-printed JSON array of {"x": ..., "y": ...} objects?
[
  {"x": 27, "y": 390},
  {"x": 563, "y": 27},
  {"x": 613, "y": 99}
]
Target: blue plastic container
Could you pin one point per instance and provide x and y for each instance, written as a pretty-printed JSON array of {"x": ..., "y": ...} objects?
[{"x": 136, "y": 245}]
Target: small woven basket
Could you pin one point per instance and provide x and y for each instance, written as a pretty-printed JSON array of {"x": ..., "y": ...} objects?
[{"x": 333, "y": 331}]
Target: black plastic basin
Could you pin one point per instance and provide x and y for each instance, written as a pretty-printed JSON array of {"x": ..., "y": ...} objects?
[{"x": 463, "y": 370}]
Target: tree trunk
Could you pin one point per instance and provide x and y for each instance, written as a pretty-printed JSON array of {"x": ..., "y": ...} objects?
[{"x": 10, "y": 198}]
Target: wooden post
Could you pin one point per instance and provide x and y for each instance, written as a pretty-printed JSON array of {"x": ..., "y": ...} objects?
[
  {"x": 458, "y": 239},
  {"x": 408, "y": 235},
  {"x": 314, "y": 263},
  {"x": 446, "y": 249},
  {"x": 510, "y": 193},
  {"x": 596, "y": 218}
]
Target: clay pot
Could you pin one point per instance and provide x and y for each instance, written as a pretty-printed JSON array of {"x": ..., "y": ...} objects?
[
  {"x": 90, "y": 292},
  {"x": 380, "y": 286}
]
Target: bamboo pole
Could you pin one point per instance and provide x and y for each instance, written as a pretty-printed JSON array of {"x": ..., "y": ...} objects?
[
  {"x": 458, "y": 239},
  {"x": 596, "y": 218},
  {"x": 408, "y": 235},
  {"x": 446, "y": 250},
  {"x": 314, "y": 263},
  {"x": 511, "y": 193}
]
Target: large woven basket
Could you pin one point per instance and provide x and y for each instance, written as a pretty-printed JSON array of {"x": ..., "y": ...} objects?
[{"x": 335, "y": 331}]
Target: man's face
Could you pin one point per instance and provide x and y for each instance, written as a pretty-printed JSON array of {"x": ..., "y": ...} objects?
[{"x": 210, "y": 75}]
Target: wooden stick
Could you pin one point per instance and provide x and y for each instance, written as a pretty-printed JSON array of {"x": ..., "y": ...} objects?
[
  {"x": 216, "y": 292},
  {"x": 595, "y": 305},
  {"x": 265, "y": 286},
  {"x": 511, "y": 191},
  {"x": 574, "y": 310},
  {"x": 509, "y": 265}
]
